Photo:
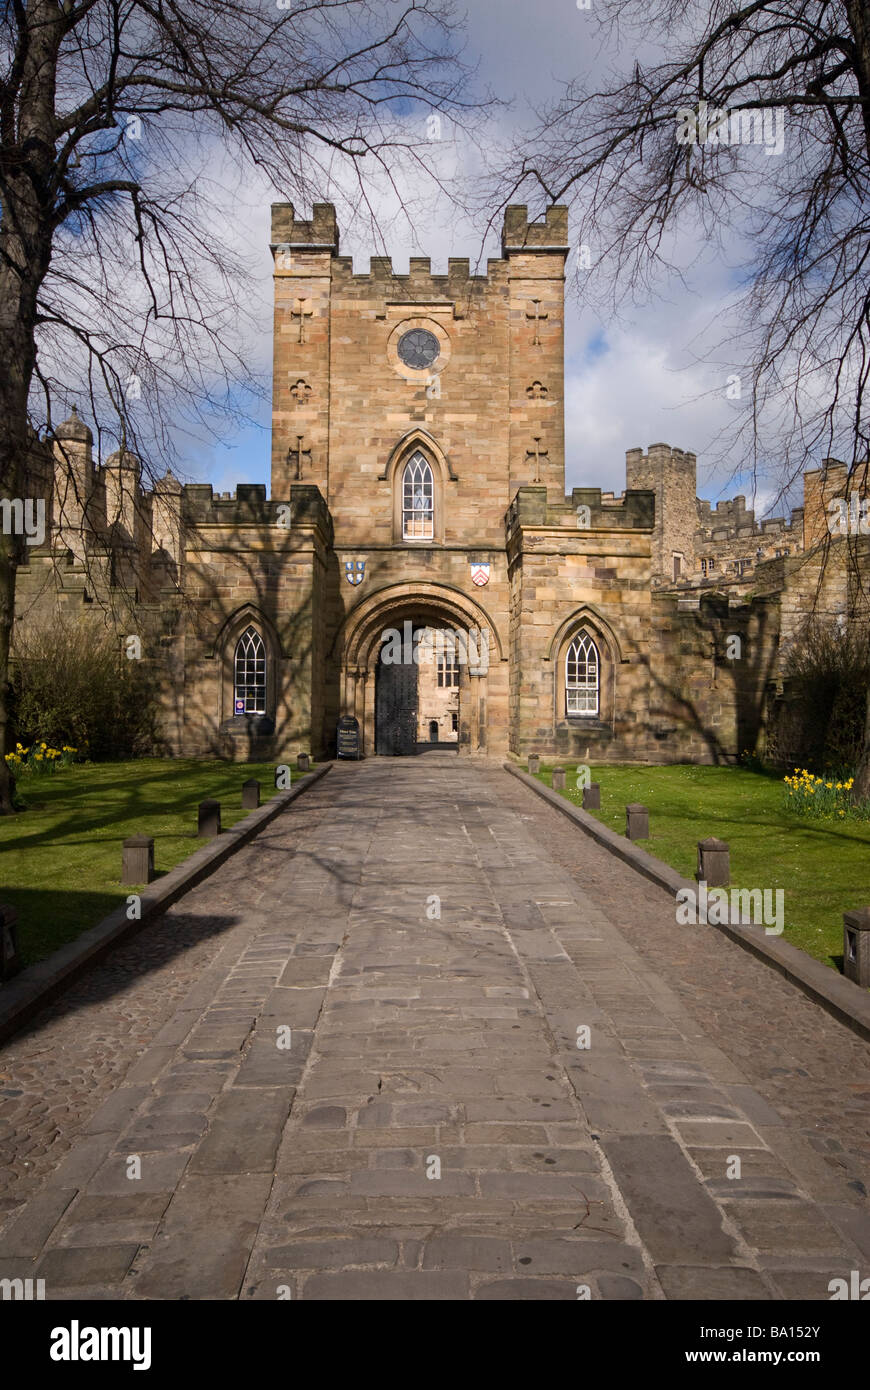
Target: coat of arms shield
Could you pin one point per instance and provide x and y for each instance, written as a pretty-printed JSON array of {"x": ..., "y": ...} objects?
[
  {"x": 479, "y": 574},
  {"x": 354, "y": 571}
]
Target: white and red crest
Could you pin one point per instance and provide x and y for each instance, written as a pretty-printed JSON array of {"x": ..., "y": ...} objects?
[{"x": 479, "y": 574}]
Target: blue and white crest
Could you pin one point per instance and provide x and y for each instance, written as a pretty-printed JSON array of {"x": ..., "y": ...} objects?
[{"x": 354, "y": 571}]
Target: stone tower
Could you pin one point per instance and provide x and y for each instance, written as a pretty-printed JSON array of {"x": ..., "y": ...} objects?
[
  {"x": 303, "y": 253},
  {"x": 346, "y": 406},
  {"x": 535, "y": 253},
  {"x": 672, "y": 475}
]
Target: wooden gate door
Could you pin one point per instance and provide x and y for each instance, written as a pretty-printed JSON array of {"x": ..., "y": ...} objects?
[{"x": 396, "y": 708}]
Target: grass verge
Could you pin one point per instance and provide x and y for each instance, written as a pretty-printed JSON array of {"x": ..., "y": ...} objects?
[
  {"x": 60, "y": 858},
  {"x": 823, "y": 866}
]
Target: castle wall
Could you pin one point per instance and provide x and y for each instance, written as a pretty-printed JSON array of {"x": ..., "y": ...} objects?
[
  {"x": 711, "y": 659},
  {"x": 244, "y": 566},
  {"x": 188, "y": 570}
]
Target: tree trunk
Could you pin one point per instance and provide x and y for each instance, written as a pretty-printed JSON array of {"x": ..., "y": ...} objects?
[
  {"x": 26, "y": 228},
  {"x": 859, "y": 22},
  {"x": 15, "y": 476},
  {"x": 7, "y": 605},
  {"x": 18, "y": 478}
]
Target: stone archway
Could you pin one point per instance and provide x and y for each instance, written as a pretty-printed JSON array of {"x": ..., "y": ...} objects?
[{"x": 398, "y": 608}]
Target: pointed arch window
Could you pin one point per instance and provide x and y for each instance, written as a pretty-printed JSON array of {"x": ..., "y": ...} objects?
[
  {"x": 249, "y": 674},
  {"x": 418, "y": 500},
  {"x": 582, "y": 676}
]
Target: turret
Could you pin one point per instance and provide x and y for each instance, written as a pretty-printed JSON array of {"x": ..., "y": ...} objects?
[
  {"x": 124, "y": 512},
  {"x": 672, "y": 475},
  {"x": 166, "y": 516},
  {"x": 73, "y": 485}
]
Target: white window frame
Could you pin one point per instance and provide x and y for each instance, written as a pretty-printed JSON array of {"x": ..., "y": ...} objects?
[
  {"x": 418, "y": 499},
  {"x": 582, "y": 678},
  {"x": 249, "y": 671}
]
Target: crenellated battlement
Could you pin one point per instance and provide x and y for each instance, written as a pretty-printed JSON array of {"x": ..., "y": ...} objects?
[
  {"x": 319, "y": 233},
  {"x": 732, "y": 519},
  {"x": 419, "y": 282},
  {"x": 587, "y": 509},
  {"x": 249, "y": 506},
  {"x": 519, "y": 234},
  {"x": 724, "y": 511}
]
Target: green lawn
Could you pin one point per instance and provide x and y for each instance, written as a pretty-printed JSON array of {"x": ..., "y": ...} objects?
[
  {"x": 823, "y": 866},
  {"x": 60, "y": 859}
]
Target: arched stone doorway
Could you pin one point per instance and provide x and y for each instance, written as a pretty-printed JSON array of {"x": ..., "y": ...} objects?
[{"x": 395, "y": 614}]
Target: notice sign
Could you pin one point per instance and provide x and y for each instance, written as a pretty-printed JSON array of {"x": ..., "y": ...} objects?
[
  {"x": 347, "y": 737},
  {"x": 240, "y": 706}
]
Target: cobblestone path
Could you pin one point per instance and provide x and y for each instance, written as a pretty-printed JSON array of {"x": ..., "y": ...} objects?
[{"x": 346, "y": 1066}]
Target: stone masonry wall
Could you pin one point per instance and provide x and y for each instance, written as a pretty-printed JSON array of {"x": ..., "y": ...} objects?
[{"x": 565, "y": 577}]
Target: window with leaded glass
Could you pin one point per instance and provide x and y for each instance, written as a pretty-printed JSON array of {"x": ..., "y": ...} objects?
[
  {"x": 249, "y": 682},
  {"x": 448, "y": 670},
  {"x": 418, "y": 348},
  {"x": 418, "y": 500},
  {"x": 582, "y": 669}
]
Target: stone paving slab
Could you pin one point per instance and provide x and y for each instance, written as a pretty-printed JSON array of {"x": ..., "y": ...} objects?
[{"x": 423, "y": 1040}]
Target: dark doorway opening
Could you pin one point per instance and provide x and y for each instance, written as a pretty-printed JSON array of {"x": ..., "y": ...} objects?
[{"x": 433, "y": 730}]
